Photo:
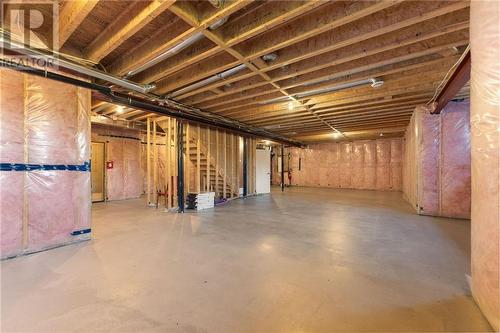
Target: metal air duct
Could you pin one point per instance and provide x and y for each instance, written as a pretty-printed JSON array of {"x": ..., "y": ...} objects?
[
  {"x": 176, "y": 49},
  {"x": 204, "y": 82},
  {"x": 7, "y": 43}
]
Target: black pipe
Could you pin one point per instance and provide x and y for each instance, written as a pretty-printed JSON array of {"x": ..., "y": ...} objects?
[
  {"x": 245, "y": 167},
  {"x": 143, "y": 105},
  {"x": 282, "y": 169},
  {"x": 138, "y": 103},
  {"x": 54, "y": 76},
  {"x": 180, "y": 166}
]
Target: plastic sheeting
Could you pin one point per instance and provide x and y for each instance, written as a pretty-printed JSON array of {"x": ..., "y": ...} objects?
[
  {"x": 46, "y": 123},
  {"x": 485, "y": 121},
  {"x": 437, "y": 161},
  {"x": 364, "y": 164},
  {"x": 123, "y": 148}
]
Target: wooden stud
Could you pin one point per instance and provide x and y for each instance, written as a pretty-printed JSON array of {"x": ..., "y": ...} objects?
[
  {"x": 217, "y": 163},
  {"x": 169, "y": 164},
  {"x": 238, "y": 165},
  {"x": 198, "y": 160},
  {"x": 224, "y": 158},
  {"x": 155, "y": 163},
  {"x": 174, "y": 159},
  {"x": 208, "y": 159},
  {"x": 148, "y": 158},
  {"x": 188, "y": 161},
  {"x": 233, "y": 164},
  {"x": 165, "y": 170}
]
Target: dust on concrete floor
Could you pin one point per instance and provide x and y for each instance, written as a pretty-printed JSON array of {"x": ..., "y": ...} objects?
[{"x": 307, "y": 260}]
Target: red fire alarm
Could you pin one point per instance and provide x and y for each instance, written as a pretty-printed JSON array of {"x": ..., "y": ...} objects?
[{"x": 109, "y": 165}]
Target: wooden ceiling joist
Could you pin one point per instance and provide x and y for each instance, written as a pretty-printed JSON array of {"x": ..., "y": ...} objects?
[
  {"x": 292, "y": 55},
  {"x": 71, "y": 16},
  {"x": 126, "y": 24}
]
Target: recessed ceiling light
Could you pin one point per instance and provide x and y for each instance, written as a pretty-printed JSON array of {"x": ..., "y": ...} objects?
[{"x": 381, "y": 134}]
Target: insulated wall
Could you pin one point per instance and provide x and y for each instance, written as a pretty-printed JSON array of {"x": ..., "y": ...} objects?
[
  {"x": 365, "y": 164},
  {"x": 123, "y": 148},
  {"x": 436, "y": 168},
  {"x": 45, "y": 152},
  {"x": 485, "y": 121}
]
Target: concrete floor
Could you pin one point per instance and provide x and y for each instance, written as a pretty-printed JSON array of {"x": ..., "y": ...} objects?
[{"x": 308, "y": 260}]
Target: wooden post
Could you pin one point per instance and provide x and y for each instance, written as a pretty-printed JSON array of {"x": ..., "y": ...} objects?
[
  {"x": 148, "y": 160},
  {"x": 233, "y": 167},
  {"x": 168, "y": 165},
  {"x": 155, "y": 164},
  {"x": 216, "y": 163},
  {"x": 224, "y": 157},
  {"x": 208, "y": 159},
  {"x": 188, "y": 161},
  {"x": 165, "y": 175},
  {"x": 174, "y": 158},
  {"x": 237, "y": 153},
  {"x": 198, "y": 161},
  {"x": 254, "y": 165}
]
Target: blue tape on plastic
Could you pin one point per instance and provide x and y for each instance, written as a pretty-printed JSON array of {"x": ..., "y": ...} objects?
[
  {"x": 45, "y": 167},
  {"x": 80, "y": 232}
]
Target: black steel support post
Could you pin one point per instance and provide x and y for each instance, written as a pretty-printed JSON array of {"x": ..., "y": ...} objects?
[
  {"x": 245, "y": 167},
  {"x": 180, "y": 166},
  {"x": 282, "y": 168}
]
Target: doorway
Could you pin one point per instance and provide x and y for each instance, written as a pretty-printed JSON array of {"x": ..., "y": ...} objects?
[
  {"x": 263, "y": 171},
  {"x": 97, "y": 171}
]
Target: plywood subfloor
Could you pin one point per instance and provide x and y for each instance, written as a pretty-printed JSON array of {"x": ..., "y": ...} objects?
[{"x": 308, "y": 260}]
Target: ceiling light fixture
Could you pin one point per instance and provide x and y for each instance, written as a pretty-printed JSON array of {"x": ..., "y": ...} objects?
[
  {"x": 270, "y": 57},
  {"x": 290, "y": 106},
  {"x": 377, "y": 83}
]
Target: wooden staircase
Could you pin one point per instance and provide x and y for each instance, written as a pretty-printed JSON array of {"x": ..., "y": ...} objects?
[
  {"x": 217, "y": 178},
  {"x": 209, "y": 173}
]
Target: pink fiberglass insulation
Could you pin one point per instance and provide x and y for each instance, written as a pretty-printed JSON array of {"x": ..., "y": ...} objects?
[
  {"x": 355, "y": 165},
  {"x": 43, "y": 207},
  {"x": 383, "y": 148},
  {"x": 428, "y": 153},
  {"x": 123, "y": 148},
  {"x": 67, "y": 194},
  {"x": 370, "y": 164},
  {"x": 333, "y": 162},
  {"x": 115, "y": 176},
  {"x": 132, "y": 169},
  {"x": 12, "y": 151},
  {"x": 485, "y": 152},
  {"x": 409, "y": 163},
  {"x": 345, "y": 165},
  {"x": 396, "y": 164},
  {"x": 437, "y": 161},
  {"x": 455, "y": 160}
]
